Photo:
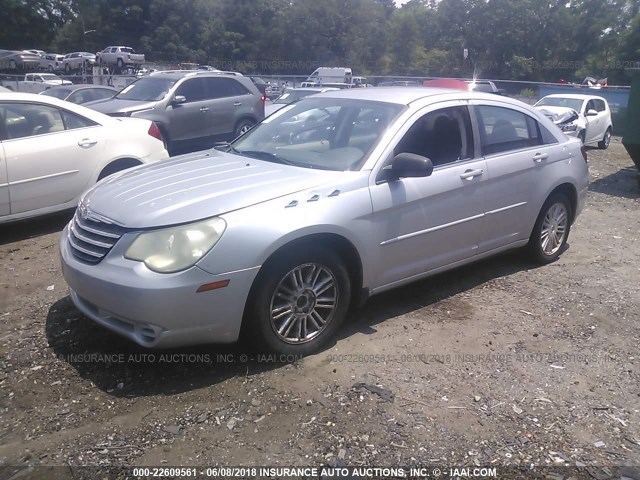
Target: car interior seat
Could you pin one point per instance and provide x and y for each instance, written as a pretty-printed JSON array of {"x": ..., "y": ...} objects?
[
  {"x": 447, "y": 145},
  {"x": 503, "y": 132},
  {"x": 42, "y": 123}
]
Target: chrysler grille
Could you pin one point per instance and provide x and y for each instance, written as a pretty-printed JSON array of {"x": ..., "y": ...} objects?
[{"x": 92, "y": 239}]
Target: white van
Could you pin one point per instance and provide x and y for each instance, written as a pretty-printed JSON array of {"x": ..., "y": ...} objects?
[{"x": 324, "y": 75}]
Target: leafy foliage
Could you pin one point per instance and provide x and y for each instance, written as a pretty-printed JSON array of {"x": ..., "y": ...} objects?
[{"x": 511, "y": 39}]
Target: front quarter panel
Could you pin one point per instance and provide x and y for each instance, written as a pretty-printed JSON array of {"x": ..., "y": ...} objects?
[{"x": 254, "y": 233}]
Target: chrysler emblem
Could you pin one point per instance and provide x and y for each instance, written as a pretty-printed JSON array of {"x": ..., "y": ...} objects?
[{"x": 83, "y": 210}]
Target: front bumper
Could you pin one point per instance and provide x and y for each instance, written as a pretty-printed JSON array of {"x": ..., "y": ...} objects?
[{"x": 156, "y": 310}]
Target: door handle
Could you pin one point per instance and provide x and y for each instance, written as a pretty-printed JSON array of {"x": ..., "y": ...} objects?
[
  {"x": 237, "y": 104},
  {"x": 86, "y": 143},
  {"x": 470, "y": 174},
  {"x": 538, "y": 157},
  {"x": 204, "y": 109}
]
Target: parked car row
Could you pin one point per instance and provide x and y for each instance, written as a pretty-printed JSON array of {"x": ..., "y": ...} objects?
[{"x": 118, "y": 56}]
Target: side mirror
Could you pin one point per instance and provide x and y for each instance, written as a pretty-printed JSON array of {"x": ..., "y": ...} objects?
[
  {"x": 178, "y": 99},
  {"x": 409, "y": 165},
  {"x": 592, "y": 113}
]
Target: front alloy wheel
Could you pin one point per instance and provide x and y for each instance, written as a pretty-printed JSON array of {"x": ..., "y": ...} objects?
[
  {"x": 551, "y": 231},
  {"x": 298, "y": 301},
  {"x": 304, "y": 303}
]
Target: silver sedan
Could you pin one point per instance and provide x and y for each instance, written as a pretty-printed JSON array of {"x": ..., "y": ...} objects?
[{"x": 326, "y": 202}]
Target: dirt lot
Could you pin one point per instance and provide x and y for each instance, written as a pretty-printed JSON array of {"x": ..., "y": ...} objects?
[{"x": 500, "y": 363}]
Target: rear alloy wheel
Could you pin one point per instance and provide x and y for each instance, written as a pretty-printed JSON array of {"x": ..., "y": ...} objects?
[
  {"x": 300, "y": 300},
  {"x": 551, "y": 231},
  {"x": 243, "y": 127},
  {"x": 606, "y": 141}
]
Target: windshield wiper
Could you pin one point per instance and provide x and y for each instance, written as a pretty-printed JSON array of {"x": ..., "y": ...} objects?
[{"x": 268, "y": 156}]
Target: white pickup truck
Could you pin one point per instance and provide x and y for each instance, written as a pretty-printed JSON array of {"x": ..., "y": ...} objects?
[
  {"x": 119, "y": 56},
  {"x": 34, "y": 82}
]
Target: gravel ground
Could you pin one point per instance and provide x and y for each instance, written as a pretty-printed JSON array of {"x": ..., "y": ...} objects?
[{"x": 499, "y": 363}]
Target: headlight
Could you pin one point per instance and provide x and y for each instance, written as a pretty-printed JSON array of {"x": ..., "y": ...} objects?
[
  {"x": 177, "y": 248},
  {"x": 571, "y": 127}
]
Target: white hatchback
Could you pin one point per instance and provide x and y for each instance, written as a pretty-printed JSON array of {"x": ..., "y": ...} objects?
[
  {"x": 51, "y": 151},
  {"x": 587, "y": 117}
]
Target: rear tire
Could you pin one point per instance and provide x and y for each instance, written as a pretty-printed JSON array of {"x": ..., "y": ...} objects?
[
  {"x": 298, "y": 302},
  {"x": 606, "y": 140},
  {"x": 551, "y": 230}
]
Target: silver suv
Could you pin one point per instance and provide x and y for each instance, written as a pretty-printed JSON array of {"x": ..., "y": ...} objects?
[{"x": 192, "y": 108}]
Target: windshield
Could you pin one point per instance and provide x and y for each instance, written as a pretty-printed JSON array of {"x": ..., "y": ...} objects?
[
  {"x": 574, "y": 103},
  {"x": 50, "y": 76},
  {"x": 323, "y": 133},
  {"x": 60, "y": 93},
  {"x": 147, "y": 89},
  {"x": 292, "y": 95}
]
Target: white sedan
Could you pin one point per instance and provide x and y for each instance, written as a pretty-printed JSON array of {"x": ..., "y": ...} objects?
[
  {"x": 587, "y": 117},
  {"x": 51, "y": 151}
]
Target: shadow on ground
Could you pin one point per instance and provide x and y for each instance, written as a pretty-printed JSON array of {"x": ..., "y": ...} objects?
[
  {"x": 434, "y": 289},
  {"x": 123, "y": 369},
  {"x": 623, "y": 183}
]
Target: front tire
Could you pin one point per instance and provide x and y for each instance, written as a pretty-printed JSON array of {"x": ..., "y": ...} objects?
[
  {"x": 606, "y": 140},
  {"x": 551, "y": 230},
  {"x": 298, "y": 302}
]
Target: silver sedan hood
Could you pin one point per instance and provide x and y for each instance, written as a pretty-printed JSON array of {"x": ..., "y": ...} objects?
[{"x": 196, "y": 186}]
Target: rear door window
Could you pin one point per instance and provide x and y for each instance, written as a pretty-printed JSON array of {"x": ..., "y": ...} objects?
[
  {"x": 223, "y": 87},
  {"x": 503, "y": 129}
]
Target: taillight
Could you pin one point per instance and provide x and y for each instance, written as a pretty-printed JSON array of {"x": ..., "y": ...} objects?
[
  {"x": 264, "y": 100},
  {"x": 155, "y": 132},
  {"x": 584, "y": 154}
]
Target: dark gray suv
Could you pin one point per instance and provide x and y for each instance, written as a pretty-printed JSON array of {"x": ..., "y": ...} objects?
[{"x": 192, "y": 108}]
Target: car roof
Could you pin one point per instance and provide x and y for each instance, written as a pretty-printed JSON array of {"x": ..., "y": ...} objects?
[
  {"x": 56, "y": 102},
  {"x": 179, "y": 74},
  {"x": 576, "y": 96},
  {"x": 408, "y": 95}
]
